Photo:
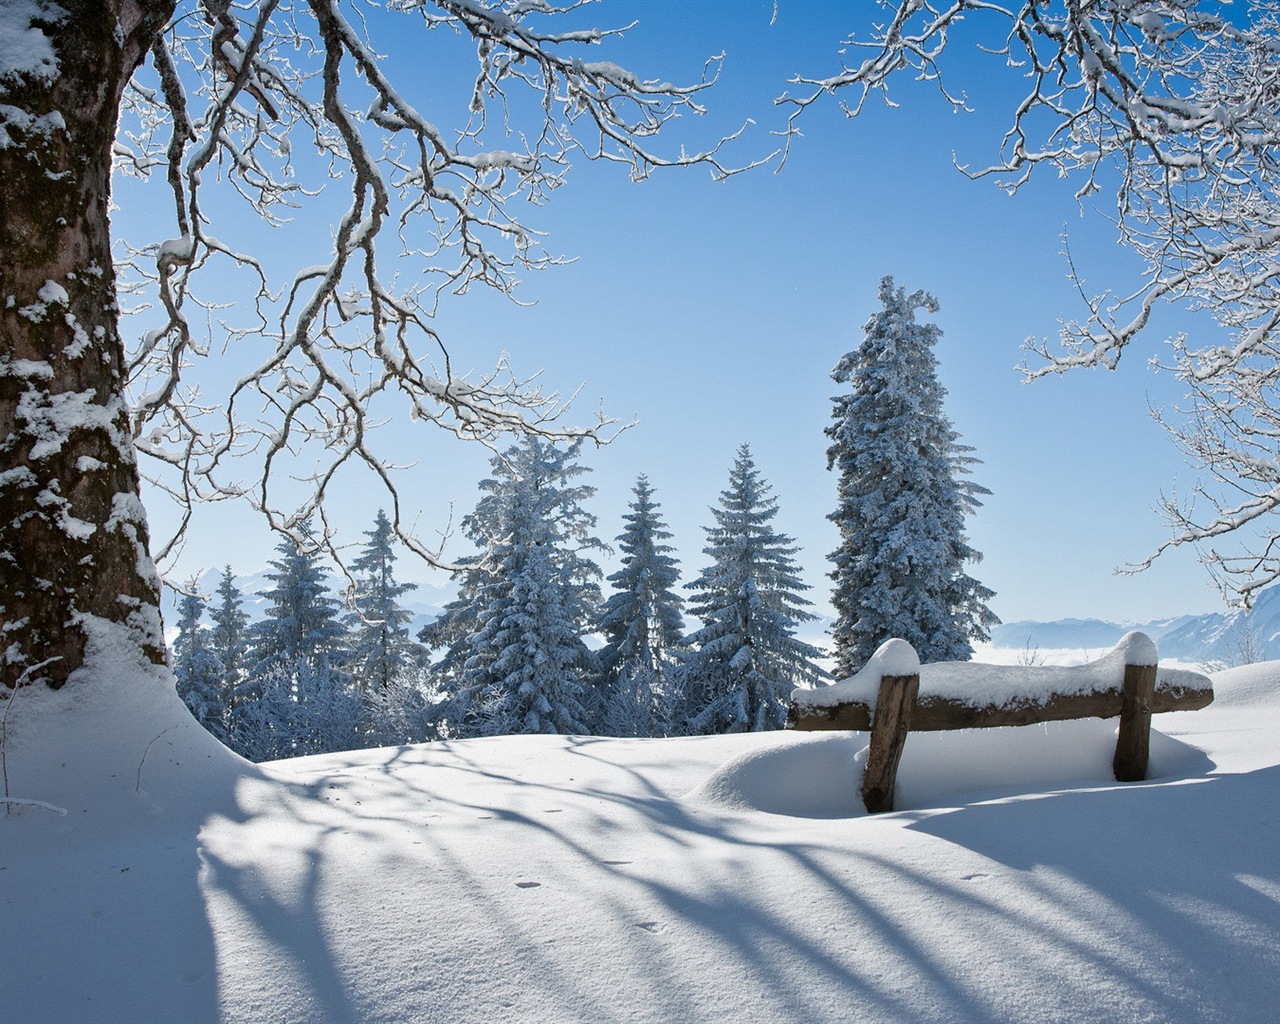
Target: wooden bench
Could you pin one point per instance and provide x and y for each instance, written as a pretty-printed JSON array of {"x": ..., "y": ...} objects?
[{"x": 893, "y": 695}]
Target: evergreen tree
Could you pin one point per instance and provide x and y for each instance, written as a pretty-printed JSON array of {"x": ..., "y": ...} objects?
[
  {"x": 229, "y": 636},
  {"x": 642, "y": 623},
  {"x": 899, "y": 570},
  {"x": 302, "y": 707},
  {"x": 199, "y": 672},
  {"x": 513, "y": 657},
  {"x": 302, "y": 615},
  {"x": 746, "y": 658},
  {"x": 533, "y": 667},
  {"x": 296, "y": 698},
  {"x": 381, "y": 647},
  {"x": 229, "y": 642}
]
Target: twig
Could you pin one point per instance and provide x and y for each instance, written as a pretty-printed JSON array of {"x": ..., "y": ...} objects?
[
  {"x": 4, "y": 730},
  {"x": 138, "y": 783}
]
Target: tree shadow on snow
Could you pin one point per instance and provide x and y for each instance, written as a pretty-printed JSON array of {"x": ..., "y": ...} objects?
[
  {"x": 1184, "y": 874},
  {"x": 555, "y": 880}
]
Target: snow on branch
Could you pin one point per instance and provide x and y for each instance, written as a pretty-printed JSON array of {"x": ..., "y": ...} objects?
[
  {"x": 288, "y": 102},
  {"x": 1173, "y": 105}
]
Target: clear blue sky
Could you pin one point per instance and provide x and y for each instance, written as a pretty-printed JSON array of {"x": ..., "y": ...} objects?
[{"x": 713, "y": 312}]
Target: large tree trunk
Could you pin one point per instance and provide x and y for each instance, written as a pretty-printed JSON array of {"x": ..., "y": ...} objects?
[{"x": 73, "y": 538}]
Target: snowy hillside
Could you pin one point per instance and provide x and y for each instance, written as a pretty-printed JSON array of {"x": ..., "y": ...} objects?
[
  {"x": 555, "y": 879},
  {"x": 1232, "y": 637}
]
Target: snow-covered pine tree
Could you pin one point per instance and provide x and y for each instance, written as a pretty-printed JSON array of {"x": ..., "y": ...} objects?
[
  {"x": 900, "y": 567},
  {"x": 380, "y": 642},
  {"x": 643, "y": 625},
  {"x": 746, "y": 659},
  {"x": 302, "y": 617},
  {"x": 533, "y": 667},
  {"x": 229, "y": 635},
  {"x": 200, "y": 676},
  {"x": 514, "y": 659},
  {"x": 297, "y": 652}
]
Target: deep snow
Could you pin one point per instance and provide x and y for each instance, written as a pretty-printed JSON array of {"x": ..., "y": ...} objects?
[{"x": 579, "y": 879}]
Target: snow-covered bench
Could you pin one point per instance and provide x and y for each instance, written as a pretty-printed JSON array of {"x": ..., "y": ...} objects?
[{"x": 893, "y": 694}]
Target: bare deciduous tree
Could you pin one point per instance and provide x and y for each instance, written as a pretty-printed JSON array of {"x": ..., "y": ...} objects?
[
  {"x": 276, "y": 100},
  {"x": 1173, "y": 104}
]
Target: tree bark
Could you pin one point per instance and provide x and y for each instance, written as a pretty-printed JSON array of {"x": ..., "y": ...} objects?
[{"x": 73, "y": 536}]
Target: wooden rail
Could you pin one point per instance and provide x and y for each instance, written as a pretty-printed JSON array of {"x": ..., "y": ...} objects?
[{"x": 898, "y": 707}]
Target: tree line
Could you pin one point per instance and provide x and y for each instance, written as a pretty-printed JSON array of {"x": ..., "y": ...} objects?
[{"x": 510, "y": 653}]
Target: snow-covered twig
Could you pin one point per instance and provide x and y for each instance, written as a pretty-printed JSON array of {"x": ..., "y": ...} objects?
[
  {"x": 13, "y": 801},
  {"x": 1174, "y": 106},
  {"x": 137, "y": 785},
  {"x": 280, "y": 99}
]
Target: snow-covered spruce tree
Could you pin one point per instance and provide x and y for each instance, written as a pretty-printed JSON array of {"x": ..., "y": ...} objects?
[
  {"x": 296, "y": 688},
  {"x": 514, "y": 659},
  {"x": 1172, "y": 105},
  {"x": 229, "y": 634},
  {"x": 228, "y": 640},
  {"x": 202, "y": 683},
  {"x": 643, "y": 625},
  {"x": 228, "y": 95},
  {"x": 900, "y": 567},
  {"x": 302, "y": 617},
  {"x": 381, "y": 647},
  {"x": 746, "y": 660}
]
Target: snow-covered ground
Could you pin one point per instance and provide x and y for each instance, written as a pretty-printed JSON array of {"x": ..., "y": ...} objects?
[{"x": 557, "y": 879}]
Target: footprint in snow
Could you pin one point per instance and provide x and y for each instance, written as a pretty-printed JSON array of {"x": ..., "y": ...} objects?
[{"x": 651, "y": 926}]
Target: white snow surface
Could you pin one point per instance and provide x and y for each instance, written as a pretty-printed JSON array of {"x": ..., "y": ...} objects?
[
  {"x": 981, "y": 685},
  {"x": 573, "y": 879},
  {"x": 24, "y": 48}
]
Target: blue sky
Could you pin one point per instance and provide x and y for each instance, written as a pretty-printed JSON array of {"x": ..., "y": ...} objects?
[{"x": 713, "y": 313}]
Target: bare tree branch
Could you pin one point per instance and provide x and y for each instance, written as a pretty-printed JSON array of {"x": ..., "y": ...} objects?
[
  {"x": 285, "y": 99},
  {"x": 1173, "y": 104}
]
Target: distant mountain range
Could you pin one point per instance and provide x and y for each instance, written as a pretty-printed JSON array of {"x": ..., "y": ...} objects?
[{"x": 1231, "y": 637}]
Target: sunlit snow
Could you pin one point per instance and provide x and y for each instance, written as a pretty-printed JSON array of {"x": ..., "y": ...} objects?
[{"x": 548, "y": 879}]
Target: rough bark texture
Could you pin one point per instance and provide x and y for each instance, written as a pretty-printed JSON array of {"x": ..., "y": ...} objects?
[
  {"x": 73, "y": 541},
  {"x": 894, "y": 707}
]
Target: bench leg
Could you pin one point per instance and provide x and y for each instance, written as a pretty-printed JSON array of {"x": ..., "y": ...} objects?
[
  {"x": 1133, "y": 745},
  {"x": 894, "y": 704}
]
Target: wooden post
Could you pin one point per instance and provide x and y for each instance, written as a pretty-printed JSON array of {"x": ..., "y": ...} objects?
[
  {"x": 894, "y": 704},
  {"x": 1134, "y": 741}
]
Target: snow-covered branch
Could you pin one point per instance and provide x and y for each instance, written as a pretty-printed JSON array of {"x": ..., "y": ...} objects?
[
  {"x": 1173, "y": 105},
  {"x": 289, "y": 101}
]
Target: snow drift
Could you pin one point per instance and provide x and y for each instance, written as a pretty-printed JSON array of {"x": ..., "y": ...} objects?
[{"x": 556, "y": 879}]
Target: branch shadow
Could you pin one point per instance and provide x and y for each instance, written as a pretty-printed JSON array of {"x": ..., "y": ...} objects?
[
  {"x": 565, "y": 879},
  {"x": 579, "y": 888}
]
